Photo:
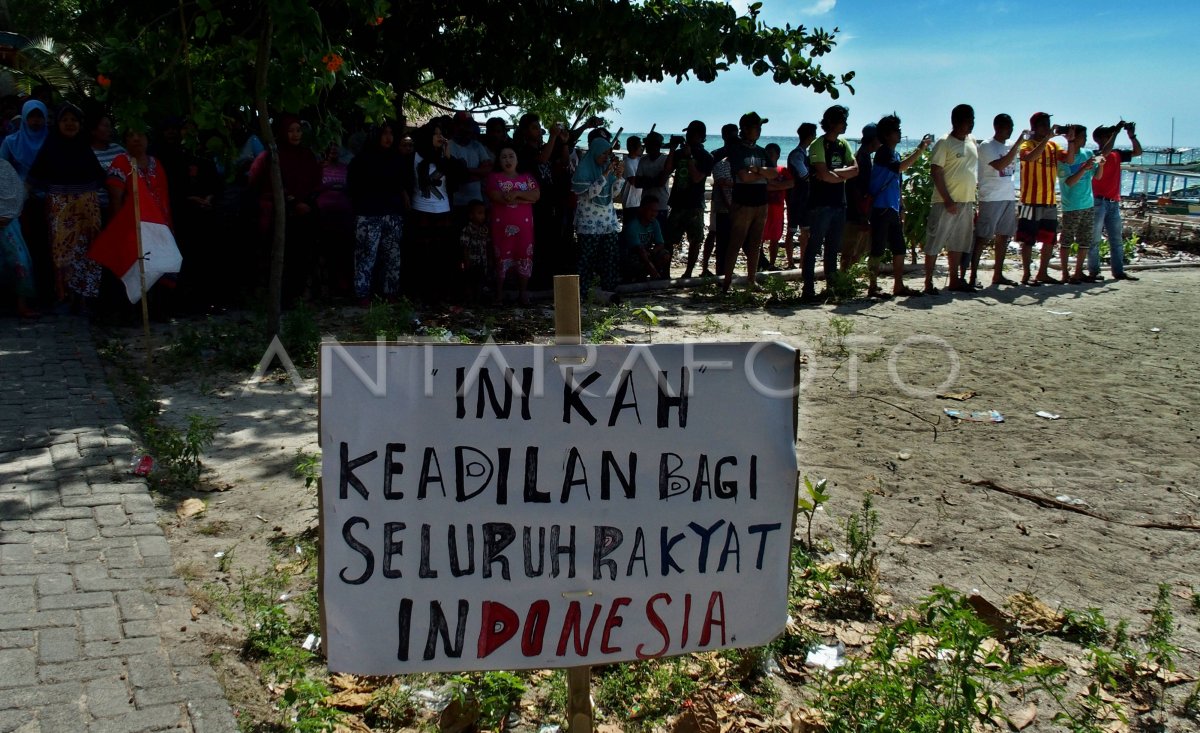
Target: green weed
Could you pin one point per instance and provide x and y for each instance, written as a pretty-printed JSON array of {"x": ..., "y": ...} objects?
[
  {"x": 308, "y": 467},
  {"x": 809, "y": 503},
  {"x": 494, "y": 693},
  {"x": 179, "y": 451}
]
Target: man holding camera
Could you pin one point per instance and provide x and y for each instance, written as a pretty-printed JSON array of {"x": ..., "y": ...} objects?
[
  {"x": 1037, "y": 216},
  {"x": 692, "y": 165},
  {"x": 1107, "y": 193}
]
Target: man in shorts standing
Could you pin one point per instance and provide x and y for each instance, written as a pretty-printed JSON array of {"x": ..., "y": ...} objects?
[
  {"x": 797, "y": 199},
  {"x": 887, "y": 233},
  {"x": 832, "y": 165},
  {"x": 1075, "y": 174},
  {"x": 954, "y": 167},
  {"x": 1037, "y": 216},
  {"x": 997, "y": 197}
]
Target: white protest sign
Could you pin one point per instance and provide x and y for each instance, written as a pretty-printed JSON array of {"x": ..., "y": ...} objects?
[{"x": 512, "y": 507}]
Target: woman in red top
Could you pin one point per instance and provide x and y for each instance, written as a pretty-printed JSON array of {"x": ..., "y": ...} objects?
[
  {"x": 777, "y": 189},
  {"x": 150, "y": 174}
]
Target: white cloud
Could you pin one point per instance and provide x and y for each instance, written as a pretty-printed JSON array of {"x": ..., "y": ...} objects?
[{"x": 820, "y": 7}]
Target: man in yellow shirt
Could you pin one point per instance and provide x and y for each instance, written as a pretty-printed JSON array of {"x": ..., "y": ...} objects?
[{"x": 1037, "y": 216}]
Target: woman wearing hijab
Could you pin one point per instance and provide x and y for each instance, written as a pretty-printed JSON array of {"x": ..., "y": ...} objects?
[
  {"x": 596, "y": 182},
  {"x": 301, "y": 184},
  {"x": 22, "y": 147},
  {"x": 66, "y": 169},
  {"x": 15, "y": 268},
  {"x": 376, "y": 181}
]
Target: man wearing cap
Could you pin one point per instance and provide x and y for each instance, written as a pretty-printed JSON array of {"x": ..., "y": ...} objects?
[
  {"x": 954, "y": 168},
  {"x": 653, "y": 174},
  {"x": 997, "y": 197},
  {"x": 748, "y": 213},
  {"x": 832, "y": 165},
  {"x": 1037, "y": 216},
  {"x": 797, "y": 200},
  {"x": 1107, "y": 191},
  {"x": 465, "y": 145},
  {"x": 692, "y": 165}
]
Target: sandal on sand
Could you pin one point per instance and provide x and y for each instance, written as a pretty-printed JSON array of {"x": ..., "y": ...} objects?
[
  {"x": 1047, "y": 280},
  {"x": 878, "y": 292},
  {"x": 907, "y": 292},
  {"x": 961, "y": 288},
  {"x": 1074, "y": 280},
  {"x": 932, "y": 291},
  {"x": 1002, "y": 280}
]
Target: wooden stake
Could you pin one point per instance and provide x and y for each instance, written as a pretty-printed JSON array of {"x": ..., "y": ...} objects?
[
  {"x": 567, "y": 332},
  {"x": 141, "y": 255}
]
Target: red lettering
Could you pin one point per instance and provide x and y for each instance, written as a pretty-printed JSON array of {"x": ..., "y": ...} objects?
[
  {"x": 535, "y": 628},
  {"x": 657, "y": 622},
  {"x": 687, "y": 615},
  {"x": 613, "y": 621},
  {"x": 710, "y": 621},
  {"x": 572, "y": 625},
  {"x": 499, "y": 624}
]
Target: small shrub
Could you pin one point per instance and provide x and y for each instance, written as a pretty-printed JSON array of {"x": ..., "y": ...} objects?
[{"x": 495, "y": 694}]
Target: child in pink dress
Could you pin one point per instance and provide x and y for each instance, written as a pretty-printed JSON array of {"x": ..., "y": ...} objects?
[{"x": 512, "y": 196}]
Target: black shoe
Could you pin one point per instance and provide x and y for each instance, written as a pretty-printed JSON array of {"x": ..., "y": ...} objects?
[
  {"x": 1124, "y": 276},
  {"x": 809, "y": 297}
]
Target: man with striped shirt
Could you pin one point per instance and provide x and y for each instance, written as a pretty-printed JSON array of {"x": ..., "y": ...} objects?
[{"x": 1037, "y": 216}]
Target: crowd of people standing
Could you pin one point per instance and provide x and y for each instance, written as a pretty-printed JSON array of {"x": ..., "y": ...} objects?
[{"x": 453, "y": 211}]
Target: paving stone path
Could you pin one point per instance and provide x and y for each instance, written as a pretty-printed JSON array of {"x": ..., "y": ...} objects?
[{"x": 93, "y": 619}]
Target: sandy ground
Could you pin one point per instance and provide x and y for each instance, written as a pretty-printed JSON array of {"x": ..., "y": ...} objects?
[{"x": 1116, "y": 360}]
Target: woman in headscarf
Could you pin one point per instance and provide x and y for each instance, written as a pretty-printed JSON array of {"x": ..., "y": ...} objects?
[
  {"x": 15, "y": 267},
  {"x": 301, "y": 183},
  {"x": 432, "y": 242},
  {"x": 376, "y": 181},
  {"x": 22, "y": 147},
  {"x": 596, "y": 182},
  {"x": 67, "y": 170}
]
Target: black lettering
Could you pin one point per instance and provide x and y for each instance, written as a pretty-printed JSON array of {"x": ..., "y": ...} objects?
[
  {"x": 666, "y": 400},
  {"x": 574, "y": 460},
  {"x": 392, "y": 468},
  {"x": 431, "y": 472},
  {"x": 403, "y": 626},
  {"x": 425, "y": 571},
  {"x": 460, "y": 388},
  {"x": 392, "y": 547},
  {"x": 439, "y": 627},
  {"x": 456, "y": 568},
  {"x": 608, "y": 466},
  {"x": 671, "y": 483},
  {"x": 571, "y": 400},
  {"x": 527, "y": 538},
  {"x": 665, "y": 547},
  {"x": 702, "y": 483},
  {"x": 464, "y": 469},
  {"x": 526, "y": 390},
  {"x": 607, "y": 539},
  {"x": 346, "y": 477},
  {"x": 753, "y": 477},
  {"x": 556, "y": 550},
  {"x": 358, "y": 547},
  {"x": 619, "y": 403},
  {"x": 497, "y": 536},
  {"x": 764, "y": 530},
  {"x": 733, "y": 546},
  {"x": 638, "y": 553},
  {"x": 485, "y": 385},
  {"x": 725, "y": 489},
  {"x": 531, "y": 494},
  {"x": 502, "y": 461},
  {"x": 705, "y": 536}
]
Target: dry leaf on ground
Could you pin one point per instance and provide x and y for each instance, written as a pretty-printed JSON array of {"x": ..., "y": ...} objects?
[{"x": 190, "y": 508}]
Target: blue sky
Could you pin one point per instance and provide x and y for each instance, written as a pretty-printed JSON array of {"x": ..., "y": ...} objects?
[{"x": 1087, "y": 62}]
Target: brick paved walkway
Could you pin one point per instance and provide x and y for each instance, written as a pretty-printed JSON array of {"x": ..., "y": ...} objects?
[{"x": 93, "y": 620}]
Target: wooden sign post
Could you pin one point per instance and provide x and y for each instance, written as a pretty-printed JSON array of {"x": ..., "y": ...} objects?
[{"x": 504, "y": 507}]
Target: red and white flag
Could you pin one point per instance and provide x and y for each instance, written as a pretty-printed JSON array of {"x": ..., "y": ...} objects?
[{"x": 116, "y": 246}]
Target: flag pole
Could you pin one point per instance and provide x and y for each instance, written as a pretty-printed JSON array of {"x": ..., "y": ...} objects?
[{"x": 141, "y": 256}]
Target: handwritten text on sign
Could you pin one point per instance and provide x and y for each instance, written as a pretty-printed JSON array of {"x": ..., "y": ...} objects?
[{"x": 508, "y": 507}]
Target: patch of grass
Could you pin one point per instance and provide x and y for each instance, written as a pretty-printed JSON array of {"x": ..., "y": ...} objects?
[
  {"x": 936, "y": 671},
  {"x": 643, "y": 692},
  {"x": 494, "y": 694},
  {"x": 1084, "y": 627},
  {"x": 308, "y": 467},
  {"x": 392, "y": 706}
]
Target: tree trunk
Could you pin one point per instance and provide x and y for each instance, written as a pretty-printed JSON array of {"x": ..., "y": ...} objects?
[{"x": 275, "y": 282}]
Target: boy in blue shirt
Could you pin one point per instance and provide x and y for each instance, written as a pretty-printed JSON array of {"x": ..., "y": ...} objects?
[
  {"x": 884, "y": 186},
  {"x": 646, "y": 254}
]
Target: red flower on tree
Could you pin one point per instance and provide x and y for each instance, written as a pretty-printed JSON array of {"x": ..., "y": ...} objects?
[
  {"x": 333, "y": 62},
  {"x": 378, "y": 21},
  {"x": 103, "y": 80}
]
